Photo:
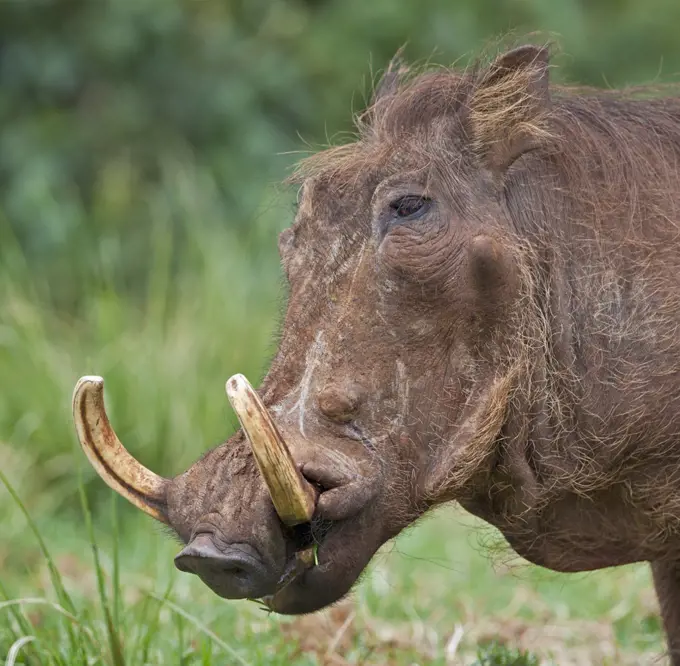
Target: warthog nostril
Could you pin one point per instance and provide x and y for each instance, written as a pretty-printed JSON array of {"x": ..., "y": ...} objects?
[
  {"x": 339, "y": 401},
  {"x": 233, "y": 572}
]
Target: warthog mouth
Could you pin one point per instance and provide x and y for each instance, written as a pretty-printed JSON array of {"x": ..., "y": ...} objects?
[
  {"x": 306, "y": 556},
  {"x": 339, "y": 557}
]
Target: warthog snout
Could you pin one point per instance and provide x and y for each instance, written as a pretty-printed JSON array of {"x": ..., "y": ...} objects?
[{"x": 234, "y": 572}]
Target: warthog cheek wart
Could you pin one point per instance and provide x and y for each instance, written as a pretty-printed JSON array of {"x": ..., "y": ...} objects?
[{"x": 339, "y": 402}]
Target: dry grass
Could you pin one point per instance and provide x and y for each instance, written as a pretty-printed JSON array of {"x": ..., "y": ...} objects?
[{"x": 332, "y": 636}]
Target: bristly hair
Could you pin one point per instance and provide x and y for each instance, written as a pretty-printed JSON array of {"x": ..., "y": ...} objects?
[
  {"x": 411, "y": 100},
  {"x": 408, "y": 100},
  {"x": 496, "y": 111}
]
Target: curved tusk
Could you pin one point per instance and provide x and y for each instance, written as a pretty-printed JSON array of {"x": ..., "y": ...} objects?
[
  {"x": 109, "y": 457},
  {"x": 294, "y": 498}
]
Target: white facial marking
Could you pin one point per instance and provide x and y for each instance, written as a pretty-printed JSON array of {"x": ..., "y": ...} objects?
[
  {"x": 402, "y": 392},
  {"x": 311, "y": 363},
  {"x": 348, "y": 299},
  {"x": 334, "y": 250}
]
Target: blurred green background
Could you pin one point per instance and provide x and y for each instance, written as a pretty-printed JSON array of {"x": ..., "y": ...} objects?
[{"x": 141, "y": 143}]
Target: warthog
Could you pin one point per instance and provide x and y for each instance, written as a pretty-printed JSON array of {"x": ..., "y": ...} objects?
[{"x": 484, "y": 308}]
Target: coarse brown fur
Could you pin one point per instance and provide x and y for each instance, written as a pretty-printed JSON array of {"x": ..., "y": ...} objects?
[{"x": 511, "y": 344}]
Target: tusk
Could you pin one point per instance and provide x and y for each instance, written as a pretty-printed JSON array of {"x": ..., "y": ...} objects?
[
  {"x": 294, "y": 498},
  {"x": 108, "y": 456}
]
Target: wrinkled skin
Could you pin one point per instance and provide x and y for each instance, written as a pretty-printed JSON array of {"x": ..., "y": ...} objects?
[{"x": 484, "y": 305}]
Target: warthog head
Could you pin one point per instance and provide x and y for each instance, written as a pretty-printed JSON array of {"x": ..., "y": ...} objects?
[{"x": 401, "y": 344}]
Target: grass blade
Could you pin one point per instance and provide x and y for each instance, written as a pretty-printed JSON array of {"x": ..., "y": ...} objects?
[
  {"x": 55, "y": 577},
  {"x": 152, "y": 628},
  {"x": 180, "y": 638},
  {"x": 135, "y": 647},
  {"x": 115, "y": 582},
  {"x": 19, "y": 617},
  {"x": 16, "y": 647},
  {"x": 202, "y": 628},
  {"x": 28, "y": 601},
  {"x": 111, "y": 629},
  {"x": 15, "y": 606}
]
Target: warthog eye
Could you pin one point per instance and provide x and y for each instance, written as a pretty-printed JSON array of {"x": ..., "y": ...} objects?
[{"x": 410, "y": 207}]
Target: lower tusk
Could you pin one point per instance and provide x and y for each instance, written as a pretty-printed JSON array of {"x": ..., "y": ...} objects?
[
  {"x": 293, "y": 497},
  {"x": 109, "y": 457}
]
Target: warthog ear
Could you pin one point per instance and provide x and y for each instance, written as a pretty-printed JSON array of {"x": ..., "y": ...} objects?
[{"x": 509, "y": 106}]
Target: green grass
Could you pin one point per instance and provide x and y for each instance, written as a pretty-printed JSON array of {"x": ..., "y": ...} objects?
[
  {"x": 129, "y": 606},
  {"x": 82, "y": 583}
]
